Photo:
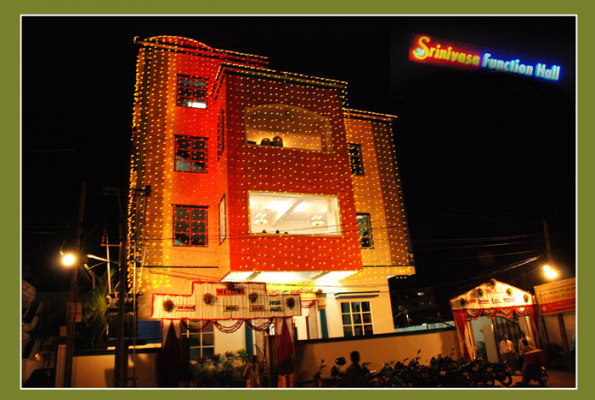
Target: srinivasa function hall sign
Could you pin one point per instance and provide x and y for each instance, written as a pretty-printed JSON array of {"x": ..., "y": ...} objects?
[
  {"x": 427, "y": 49},
  {"x": 226, "y": 300}
]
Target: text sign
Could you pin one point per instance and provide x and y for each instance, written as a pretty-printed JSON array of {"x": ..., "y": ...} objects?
[
  {"x": 556, "y": 297},
  {"x": 437, "y": 51}
]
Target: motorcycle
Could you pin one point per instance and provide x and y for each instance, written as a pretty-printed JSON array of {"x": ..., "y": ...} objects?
[
  {"x": 338, "y": 378},
  {"x": 503, "y": 373},
  {"x": 319, "y": 381},
  {"x": 534, "y": 368}
]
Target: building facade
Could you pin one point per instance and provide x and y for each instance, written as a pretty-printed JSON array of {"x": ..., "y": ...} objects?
[{"x": 244, "y": 174}]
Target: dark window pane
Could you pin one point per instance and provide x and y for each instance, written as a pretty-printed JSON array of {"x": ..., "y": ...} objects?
[
  {"x": 198, "y": 156},
  {"x": 198, "y": 167},
  {"x": 198, "y": 214},
  {"x": 355, "y": 306},
  {"x": 365, "y": 306},
  {"x": 198, "y": 144},
  {"x": 358, "y": 331},
  {"x": 194, "y": 354},
  {"x": 182, "y": 165},
  {"x": 345, "y": 308},
  {"x": 368, "y": 330},
  {"x": 181, "y": 240},
  {"x": 346, "y": 319},
  {"x": 198, "y": 240},
  {"x": 181, "y": 226},
  {"x": 347, "y": 331},
  {"x": 357, "y": 318},
  {"x": 182, "y": 154},
  {"x": 208, "y": 339},
  {"x": 367, "y": 318},
  {"x": 181, "y": 213}
]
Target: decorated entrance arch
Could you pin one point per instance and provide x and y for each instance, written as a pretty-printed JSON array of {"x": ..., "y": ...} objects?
[
  {"x": 491, "y": 299},
  {"x": 227, "y": 306}
]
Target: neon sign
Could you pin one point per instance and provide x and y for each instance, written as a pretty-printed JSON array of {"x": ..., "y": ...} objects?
[
  {"x": 424, "y": 49},
  {"x": 445, "y": 53}
]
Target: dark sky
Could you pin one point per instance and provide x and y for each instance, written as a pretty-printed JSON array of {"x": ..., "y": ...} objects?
[{"x": 483, "y": 157}]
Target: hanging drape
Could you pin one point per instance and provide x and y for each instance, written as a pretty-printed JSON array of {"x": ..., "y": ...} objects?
[
  {"x": 170, "y": 362},
  {"x": 284, "y": 343},
  {"x": 465, "y": 336}
]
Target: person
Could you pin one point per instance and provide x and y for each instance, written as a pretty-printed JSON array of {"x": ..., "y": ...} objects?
[
  {"x": 522, "y": 349},
  {"x": 524, "y": 337},
  {"x": 528, "y": 349},
  {"x": 507, "y": 351},
  {"x": 251, "y": 373},
  {"x": 355, "y": 375}
]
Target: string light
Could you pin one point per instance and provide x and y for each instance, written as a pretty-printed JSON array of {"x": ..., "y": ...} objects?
[{"x": 307, "y": 127}]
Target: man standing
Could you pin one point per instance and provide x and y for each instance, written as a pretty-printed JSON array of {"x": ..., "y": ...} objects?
[
  {"x": 355, "y": 375},
  {"x": 507, "y": 351}
]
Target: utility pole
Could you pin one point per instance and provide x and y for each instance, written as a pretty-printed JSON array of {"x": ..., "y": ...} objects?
[
  {"x": 548, "y": 249},
  {"x": 72, "y": 299}
]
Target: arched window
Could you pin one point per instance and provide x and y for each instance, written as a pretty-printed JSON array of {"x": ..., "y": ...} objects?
[{"x": 287, "y": 126}]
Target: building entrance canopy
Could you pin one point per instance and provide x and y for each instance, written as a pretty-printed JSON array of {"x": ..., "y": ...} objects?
[
  {"x": 226, "y": 300},
  {"x": 491, "y": 299}
]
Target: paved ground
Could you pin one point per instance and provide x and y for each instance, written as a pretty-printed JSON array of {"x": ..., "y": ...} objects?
[{"x": 558, "y": 379}]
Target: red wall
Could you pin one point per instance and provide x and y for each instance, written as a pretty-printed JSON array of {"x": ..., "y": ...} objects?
[{"x": 261, "y": 168}]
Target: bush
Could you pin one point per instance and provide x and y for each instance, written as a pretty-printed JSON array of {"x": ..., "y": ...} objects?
[{"x": 220, "y": 371}]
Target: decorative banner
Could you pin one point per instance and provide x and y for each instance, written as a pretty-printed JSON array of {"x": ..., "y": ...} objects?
[
  {"x": 225, "y": 300},
  {"x": 556, "y": 297},
  {"x": 492, "y": 295}
]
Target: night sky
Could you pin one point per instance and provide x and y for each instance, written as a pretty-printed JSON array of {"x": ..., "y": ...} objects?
[{"x": 484, "y": 157}]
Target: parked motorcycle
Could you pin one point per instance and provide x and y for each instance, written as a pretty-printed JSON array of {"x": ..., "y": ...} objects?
[
  {"x": 503, "y": 373},
  {"x": 534, "y": 368},
  {"x": 319, "y": 381},
  {"x": 338, "y": 378}
]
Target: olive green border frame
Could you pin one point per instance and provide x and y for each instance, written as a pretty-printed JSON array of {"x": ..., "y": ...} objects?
[{"x": 10, "y": 164}]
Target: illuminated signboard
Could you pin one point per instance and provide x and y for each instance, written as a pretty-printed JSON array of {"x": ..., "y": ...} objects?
[
  {"x": 428, "y": 50},
  {"x": 556, "y": 297}
]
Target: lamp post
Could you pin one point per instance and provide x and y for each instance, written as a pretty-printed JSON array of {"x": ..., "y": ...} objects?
[{"x": 72, "y": 261}]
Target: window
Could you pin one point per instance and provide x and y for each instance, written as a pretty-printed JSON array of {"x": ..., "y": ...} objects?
[
  {"x": 357, "y": 318},
  {"x": 220, "y": 134},
  {"x": 364, "y": 226},
  {"x": 280, "y": 125},
  {"x": 192, "y": 92},
  {"x": 222, "y": 221},
  {"x": 190, "y": 226},
  {"x": 295, "y": 214},
  {"x": 356, "y": 161},
  {"x": 201, "y": 343},
  {"x": 191, "y": 154}
]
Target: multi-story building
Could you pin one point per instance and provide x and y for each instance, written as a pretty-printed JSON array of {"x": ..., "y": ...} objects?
[{"x": 245, "y": 174}]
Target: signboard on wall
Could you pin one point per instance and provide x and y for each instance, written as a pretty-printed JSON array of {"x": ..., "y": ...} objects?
[
  {"x": 226, "y": 300},
  {"x": 557, "y": 297}
]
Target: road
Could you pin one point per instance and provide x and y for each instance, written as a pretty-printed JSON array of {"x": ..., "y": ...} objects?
[{"x": 558, "y": 379}]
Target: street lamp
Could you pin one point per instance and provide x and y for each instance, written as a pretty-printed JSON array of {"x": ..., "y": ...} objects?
[{"x": 549, "y": 272}]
